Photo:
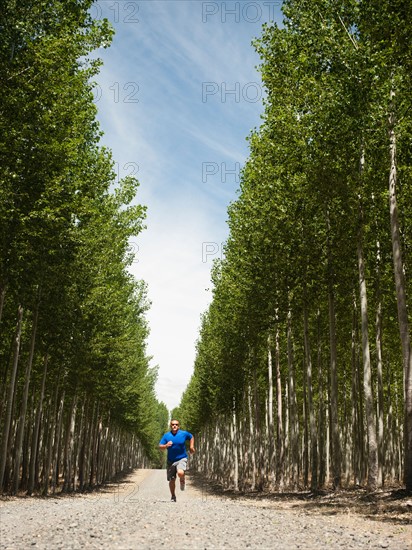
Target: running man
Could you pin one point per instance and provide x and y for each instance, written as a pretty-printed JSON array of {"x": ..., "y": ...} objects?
[{"x": 175, "y": 443}]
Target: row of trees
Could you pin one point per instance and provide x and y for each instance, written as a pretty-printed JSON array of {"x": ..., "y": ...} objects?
[
  {"x": 303, "y": 374},
  {"x": 78, "y": 404}
]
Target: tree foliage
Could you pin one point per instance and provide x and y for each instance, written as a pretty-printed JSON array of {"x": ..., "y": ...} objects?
[
  {"x": 314, "y": 199},
  {"x": 65, "y": 229}
]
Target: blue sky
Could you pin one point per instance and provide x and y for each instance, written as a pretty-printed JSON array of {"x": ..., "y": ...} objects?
[{"x": 177, "y": 96}]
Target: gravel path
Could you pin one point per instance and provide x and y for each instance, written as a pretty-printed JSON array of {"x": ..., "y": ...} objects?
[{"x": 138, "y": 514}]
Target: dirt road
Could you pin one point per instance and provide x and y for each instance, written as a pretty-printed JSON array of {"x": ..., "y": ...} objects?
[{"x": 138, "y": 514}]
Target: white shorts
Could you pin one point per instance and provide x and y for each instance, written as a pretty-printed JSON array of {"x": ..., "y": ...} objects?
[{"x": 172, "y": 468}]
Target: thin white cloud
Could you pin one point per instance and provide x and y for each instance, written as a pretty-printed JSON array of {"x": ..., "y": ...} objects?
[{"x": 170, "y": 259}]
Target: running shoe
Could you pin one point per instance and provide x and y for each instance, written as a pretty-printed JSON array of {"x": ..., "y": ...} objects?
[{"x": 173, "y": 499}]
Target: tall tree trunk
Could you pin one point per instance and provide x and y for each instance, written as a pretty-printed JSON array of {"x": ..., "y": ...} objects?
[
  {"x": 379, "y": 365},
  {"x": 271, "y": 458},
  {"x": 286, "y": 462},
  {"x": 400, "y": 285},
  {"x": 235, "y": 443},
  {"x": 26, "y": 442},
  {"x": 367, "y": 377},
  {"x": 23, "y": 408},
  {"x": 68, "y": 447},
  {"x": 95, "y": 448},
  {"x": 397, "y": 437},
  {"x": 312, "y": 419},
  {"x": 322, "y": 411},
  {"x": 294, "y": 431},
  {"x": 336, "y": 460},
  {"x": 380, "y": 400},
  {"x": 51, "y": 441},
  {"x": 280, "y": 447},
  {"x": 361, "y": 415},
  {"x": 258, "y": 430},
  {"x": 356, "y": 450},
  {"x": 390, "y": 441},
  {"x": 10, "y": 397},
  {"x": 35, "y": 438},
  {"x": 88, "y": 445},
  {"x": 305, "y": 455},
  {"x": 252, "y": 453},
  {"x": 56, "y": 447},
  {"x": 347, "y": 443},
  {"x": 79, "y": 444},
  {"x": 372, "y": 448}
]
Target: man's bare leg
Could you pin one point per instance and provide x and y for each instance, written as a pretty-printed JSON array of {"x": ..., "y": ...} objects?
[
  {"x": 172, "y": 487},
  {"x": 181, "y": 475}
]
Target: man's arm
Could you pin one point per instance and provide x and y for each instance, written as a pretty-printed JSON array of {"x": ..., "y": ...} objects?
[
  {"x": 164, "y": 446},
  {"x": 192, "y": 445}
]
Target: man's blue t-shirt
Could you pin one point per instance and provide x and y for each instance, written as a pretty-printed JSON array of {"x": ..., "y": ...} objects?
[{"x": 178, "y": 449}]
